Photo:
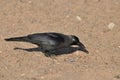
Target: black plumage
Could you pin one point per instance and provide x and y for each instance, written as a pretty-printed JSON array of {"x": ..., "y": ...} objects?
[{"x": 50, "y": 41}]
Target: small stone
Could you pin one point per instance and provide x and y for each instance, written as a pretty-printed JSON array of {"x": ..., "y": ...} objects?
[
  {"x": 77, "y": 53},
  {"x": 97, "y": 51},
  {"x": 118, "y": 46},
  {"x": 111, "y": 26},
  {"x": 67, "y": 16},
  {"x": 56, "y": 61},
  {"x": 70, "y": 60},
  {"x": 0, "y": 51},
  {"x": 78, "y": 18},
  {"x": 23, "y": 74},
  {"x": 6, "y": 67},
  {"x": 29, "y": 2},
  {"x": 42, "y": 77}
]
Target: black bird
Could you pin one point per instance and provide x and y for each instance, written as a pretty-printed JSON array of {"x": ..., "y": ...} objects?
[{"x": 51, "y": 41}]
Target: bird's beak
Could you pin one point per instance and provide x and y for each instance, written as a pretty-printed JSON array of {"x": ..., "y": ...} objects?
[{"x": 83, "y": 48}]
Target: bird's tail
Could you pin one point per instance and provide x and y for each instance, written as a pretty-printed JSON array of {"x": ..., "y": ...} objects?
[{"x": 22, "y": 39}]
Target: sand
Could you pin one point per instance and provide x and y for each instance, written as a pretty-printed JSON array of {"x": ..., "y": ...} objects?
[{"x": 95, "y": 22}]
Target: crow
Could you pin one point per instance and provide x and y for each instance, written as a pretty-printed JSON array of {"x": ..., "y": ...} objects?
[{"x": 50, "y": 41}]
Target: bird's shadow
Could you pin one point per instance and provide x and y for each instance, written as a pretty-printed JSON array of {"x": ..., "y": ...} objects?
[{"x": 68, "y": 50}]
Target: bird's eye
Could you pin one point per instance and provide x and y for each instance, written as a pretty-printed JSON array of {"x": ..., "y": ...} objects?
[{"x": 73, "y": 39}]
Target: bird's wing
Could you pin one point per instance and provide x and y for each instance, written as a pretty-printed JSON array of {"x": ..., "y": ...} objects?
[
  {"x": 46, "y": 38},
  {"x": 57, "y": 37}
]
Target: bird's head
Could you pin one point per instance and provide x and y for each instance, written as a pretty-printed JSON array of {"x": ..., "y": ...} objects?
[{"x": 76, "y": 41}]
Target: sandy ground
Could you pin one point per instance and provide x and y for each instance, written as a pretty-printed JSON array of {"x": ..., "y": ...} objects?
[{"x": 95, "y": 22}]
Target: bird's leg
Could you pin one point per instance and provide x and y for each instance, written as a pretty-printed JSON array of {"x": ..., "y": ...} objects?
[
  {"x": 47, "y": 53},
  {"x": 50, "y": 54}
]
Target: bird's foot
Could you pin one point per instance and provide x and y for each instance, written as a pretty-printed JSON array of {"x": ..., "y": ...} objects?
[
  {"x": 53, "y": 56},
  {"x": 50, "y": 54}
]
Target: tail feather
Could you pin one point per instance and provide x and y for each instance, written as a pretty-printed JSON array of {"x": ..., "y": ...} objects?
[{"x": 17, "y": 39}]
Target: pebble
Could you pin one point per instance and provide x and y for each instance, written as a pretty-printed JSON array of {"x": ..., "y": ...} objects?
[
  {"x": 23, "y": 74},
  {"x": 29, "y": 2},
  {"x": 111, "y": 26},
  {"x": 77, "y": 53},
  {"x": 118, "y": 46},
  {"x": 42, "y": 77},
  {"x": 78, "y": 18},
  {"x": 67, "y": 16},
  {"x": 0, "y": 51},
  {"x": 70, "y": 60}
]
